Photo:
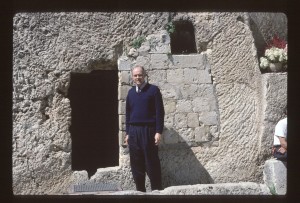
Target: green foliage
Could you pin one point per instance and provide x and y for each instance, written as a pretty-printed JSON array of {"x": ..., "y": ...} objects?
[
  {"x": 170, "y": 27},
  {"x": 137, "y": 43},
  {"x": 272, "y": 189}
]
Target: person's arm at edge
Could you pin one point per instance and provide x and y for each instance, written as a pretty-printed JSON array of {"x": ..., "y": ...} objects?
[{"x": 160, "y": 113}]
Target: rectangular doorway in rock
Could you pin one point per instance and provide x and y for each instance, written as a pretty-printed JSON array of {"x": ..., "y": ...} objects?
[{"x": 94, "y": 128}]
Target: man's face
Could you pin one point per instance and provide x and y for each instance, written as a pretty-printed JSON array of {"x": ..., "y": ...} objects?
[{"x": 138, "y": 76}]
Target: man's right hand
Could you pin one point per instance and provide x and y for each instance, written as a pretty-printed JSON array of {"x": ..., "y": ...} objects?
[{"x": 282, "y": 150}]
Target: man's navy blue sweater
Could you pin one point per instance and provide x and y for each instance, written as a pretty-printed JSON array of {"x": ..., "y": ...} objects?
[{"x": 145, "y": 107}]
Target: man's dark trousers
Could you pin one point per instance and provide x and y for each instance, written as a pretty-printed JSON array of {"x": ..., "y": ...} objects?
[{"x": 144, "y": 156}]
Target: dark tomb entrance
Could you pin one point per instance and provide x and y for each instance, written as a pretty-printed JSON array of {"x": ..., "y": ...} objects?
[
  {"x": 94, "y": 128},
  {"x": 183, "y": 38}
]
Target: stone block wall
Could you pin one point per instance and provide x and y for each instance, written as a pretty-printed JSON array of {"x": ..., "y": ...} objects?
[
  {"x": 188, "y": 94},
  {"x": 191, "y": 112}
]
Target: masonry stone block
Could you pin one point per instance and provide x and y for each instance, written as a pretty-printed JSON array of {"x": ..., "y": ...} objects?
[
  {"x": 202, "y": 134},
  {"x": 157, "y": 76},
  {"x": 193, "y": 120},
  {"x": 169, "y": 120},
  {"x": 193, "y": 75},
  {"x": 143, "y": 61},
  {"x": 170, "y": 106},
  {"x": 124, "y": 77},
  {"x": 206, "y": 90},
  {"x": 123, "y": 91},
  {"x": 122, "y": 107},
  {"x": 124, "y": 63},
  {"x": 159, "y": 61},
  {"x": 170, "y": 91},
  {"x": 275, "y": 176},
  {"x": 208, "y": 118},
  {"x": 180, "y": 120},
  {"x": 175, "y": 76},
  {"x": 213, "y": 104},
  {"x": 184, "y": 106},
  {"x": 188, "y": 61},
  {"x": 122, "y": 135},
  {"x": 189, "y": 91},
  {"x": 186, "y": 135},
  {"x": 200, "y": 104},
  {"x": 170, "y": 136},
  {"x": 122, "y": 119}
]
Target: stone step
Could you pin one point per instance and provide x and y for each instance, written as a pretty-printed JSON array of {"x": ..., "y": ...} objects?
[{"x": 244, "y": 188}]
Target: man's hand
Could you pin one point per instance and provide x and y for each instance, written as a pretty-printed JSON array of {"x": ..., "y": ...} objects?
[
  {"x": 126, "y": 140},
  {"x": 282, "y": 150},
  {"x": 157, "y": 138}
]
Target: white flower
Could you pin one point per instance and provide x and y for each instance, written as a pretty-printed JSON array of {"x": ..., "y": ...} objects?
[
  {"x": 275, "y": 54},
  {"x": 264, "y": 63},
  {"x": 281, "y": 58},
  {"x": 271, "y": 56}
]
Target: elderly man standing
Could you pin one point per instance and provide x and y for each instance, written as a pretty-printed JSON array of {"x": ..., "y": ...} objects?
[{"x": 144, "y": 126}]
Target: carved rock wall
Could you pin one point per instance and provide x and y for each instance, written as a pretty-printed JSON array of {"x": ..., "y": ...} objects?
[{"x": 47, "y": 47}]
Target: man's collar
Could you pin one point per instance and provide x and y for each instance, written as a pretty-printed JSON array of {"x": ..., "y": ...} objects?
[{"x": 141, "y": 87}]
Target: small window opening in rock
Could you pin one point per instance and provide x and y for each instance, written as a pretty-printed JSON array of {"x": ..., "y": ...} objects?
[
  {"x": 94, "y": 123},
  {"x": 183, "y": 38}
]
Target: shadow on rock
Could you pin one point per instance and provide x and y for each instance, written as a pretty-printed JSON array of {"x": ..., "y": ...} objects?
[{"x": 180, "y": 166}]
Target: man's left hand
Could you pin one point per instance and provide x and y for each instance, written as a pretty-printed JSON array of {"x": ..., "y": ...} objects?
[{"x": 157, "y": 138}]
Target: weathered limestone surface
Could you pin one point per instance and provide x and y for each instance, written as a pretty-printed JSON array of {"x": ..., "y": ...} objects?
[
  {"x": 235, "y": 72},
  {"x": 221, "y": 85},
  {"x": 275, "y": 176},
  {"x": 46, "y": 48},
  {"x": 244, "y": 188},
  {"x": 274, "y": 94}
]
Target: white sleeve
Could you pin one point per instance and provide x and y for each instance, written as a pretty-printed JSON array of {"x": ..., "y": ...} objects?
[{"x": 280, "y": 129}]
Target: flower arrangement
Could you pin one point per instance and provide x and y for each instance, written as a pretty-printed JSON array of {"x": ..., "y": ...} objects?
[{"x": 275, "y": 53}]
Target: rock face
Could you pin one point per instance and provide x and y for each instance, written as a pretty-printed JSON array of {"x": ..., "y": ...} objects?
[
  {"x": 274, "y": 95},
  {"x": 216, "y": 100},
  {"x": 275, "y": 176}
]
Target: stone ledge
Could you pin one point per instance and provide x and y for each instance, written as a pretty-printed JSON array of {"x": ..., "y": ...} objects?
[{"x": 244, "y": 188}]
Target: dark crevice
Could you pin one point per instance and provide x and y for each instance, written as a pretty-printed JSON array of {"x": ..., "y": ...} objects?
[{"x": 44, "y": 104}]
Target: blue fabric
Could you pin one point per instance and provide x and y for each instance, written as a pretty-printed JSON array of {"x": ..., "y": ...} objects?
[
  {"x": 278, "y": 155},
  {"x": 145, "y": 107},
  {"x": 144, "y": 157}
]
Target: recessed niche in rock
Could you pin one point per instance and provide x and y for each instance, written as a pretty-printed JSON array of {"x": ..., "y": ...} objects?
[
  {"x": 94, "y": 128},
  {"x": 183, "y": 38}
]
